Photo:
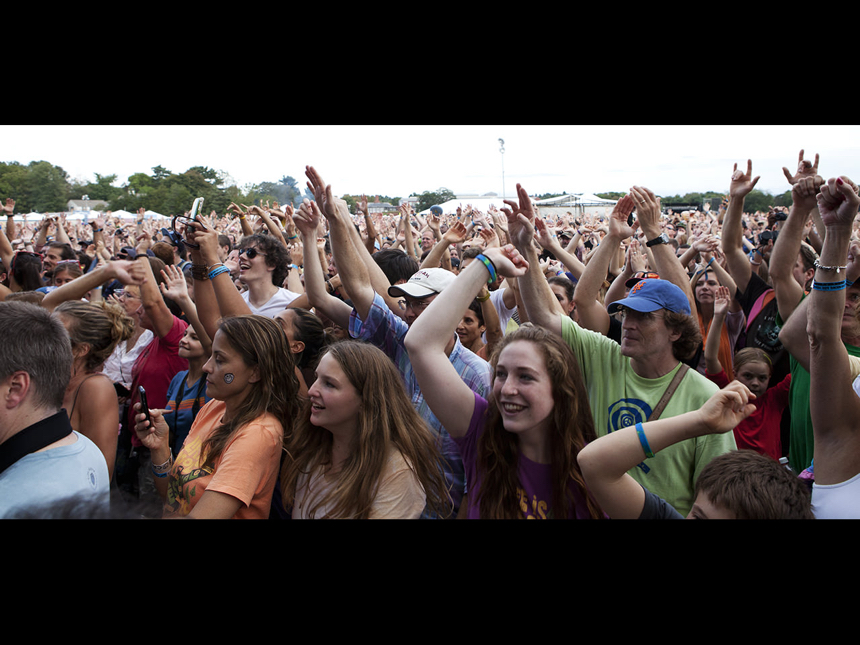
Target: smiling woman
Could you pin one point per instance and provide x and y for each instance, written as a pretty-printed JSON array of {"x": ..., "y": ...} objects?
[
  {"x": 360, "y": 450},
  {"x": 519, "y": 447}
]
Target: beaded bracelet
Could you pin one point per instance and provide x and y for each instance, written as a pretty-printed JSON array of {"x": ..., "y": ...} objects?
[
  {"x": 643, "y": 441},
  {"x": 829, "y": 286},
  {"x": 825, "y": 268},
  {"x": 199, "y": 272},
  {"x": 490, "y": 266}
]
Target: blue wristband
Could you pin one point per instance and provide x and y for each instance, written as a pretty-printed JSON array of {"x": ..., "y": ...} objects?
[
  {"x": 218, "y": 271},
  {"x": 829, "y": 286},
  {"x": 490, "y": 266},
  {"x": 643, "y": 441}
]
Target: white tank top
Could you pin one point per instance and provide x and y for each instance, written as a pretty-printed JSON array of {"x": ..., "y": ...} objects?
[{"x": 837, "y": 501}]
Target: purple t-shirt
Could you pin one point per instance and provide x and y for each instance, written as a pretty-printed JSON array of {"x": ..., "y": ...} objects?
[{"x": 535, "y": 491}]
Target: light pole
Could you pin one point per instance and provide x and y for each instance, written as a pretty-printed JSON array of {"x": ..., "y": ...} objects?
[{"x": 502, "y": 150}]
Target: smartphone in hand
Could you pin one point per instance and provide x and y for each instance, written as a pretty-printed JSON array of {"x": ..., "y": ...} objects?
[{"x": 144, "y": 406}]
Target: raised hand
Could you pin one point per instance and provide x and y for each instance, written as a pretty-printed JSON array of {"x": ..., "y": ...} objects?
[
  {"x": 647, "y": 209},
  {"x": 742, "y": 183},
  {"x": 456, "y": 233},
  {"x": 804, "y": 169},
  {"x": 308, "y": 218},
  {"x": 508, "y": 261},
  {"x": 721, "y": 301},
  {"x": 804, "y": 192},
  {"x": 9, "y": 207},
  {"x": 322, "y": 193},
  {"x": 618, "y": 218},
  {"x": 838, "y": 202},
  {"x": 127, "y": 272},
  {"x": 544, "y": 236},
  {"x": 490, "y": 238},
  {"x": 174, "y": 285},
  {"x": 521, "y": 217},
  {"x": 636, "y": 260}
]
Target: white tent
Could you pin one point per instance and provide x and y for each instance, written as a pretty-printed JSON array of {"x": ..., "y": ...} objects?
[
  {"x": 483, "y": 203},
  {"x": 576, "y": 199},
  {"x": 478, "y": 203}
]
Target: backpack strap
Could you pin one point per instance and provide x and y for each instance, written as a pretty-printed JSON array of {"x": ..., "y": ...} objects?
[{"x": 664, "y": 400}]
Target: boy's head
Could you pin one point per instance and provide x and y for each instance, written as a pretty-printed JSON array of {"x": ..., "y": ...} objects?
[{"x": 744, "y": 485}]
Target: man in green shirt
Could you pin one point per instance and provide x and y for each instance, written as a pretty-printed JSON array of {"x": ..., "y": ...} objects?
[{"x": 625, "y": 382}]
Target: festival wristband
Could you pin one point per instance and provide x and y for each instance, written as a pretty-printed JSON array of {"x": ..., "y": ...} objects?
[
  {"x": 218, "y": 271},
  {"x": 490, "y": 266},
  {"x": 643, "y": 441},
  {"x": 829, "y": 286}
]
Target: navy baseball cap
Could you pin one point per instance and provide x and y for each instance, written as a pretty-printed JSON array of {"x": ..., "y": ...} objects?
[{"x": 652, "y": 294}]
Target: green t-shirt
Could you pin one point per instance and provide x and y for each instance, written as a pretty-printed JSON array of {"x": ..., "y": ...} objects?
[
  {"x": 620, "y": 398},
  {"x": 801, "y": 438}
]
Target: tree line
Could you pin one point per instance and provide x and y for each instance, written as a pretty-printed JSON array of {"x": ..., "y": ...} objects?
[{"x": 42, "y": 187}]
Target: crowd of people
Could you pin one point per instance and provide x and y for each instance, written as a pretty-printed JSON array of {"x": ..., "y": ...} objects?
[{"x": 283, "y": 362}]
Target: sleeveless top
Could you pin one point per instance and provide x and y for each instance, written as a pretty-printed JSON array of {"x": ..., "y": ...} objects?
[{"x": 837, "y": 501}]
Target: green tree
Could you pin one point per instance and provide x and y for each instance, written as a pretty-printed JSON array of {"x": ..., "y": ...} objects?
[
  {"x": 46, "y": 187},
  {"x": 428, "y": 199},
  {"x": 101, "y": 188}
]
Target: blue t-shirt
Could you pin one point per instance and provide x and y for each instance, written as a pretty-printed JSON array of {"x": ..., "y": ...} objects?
[
  {"x": 192, "y": 397},
  {"x": 36, "y": 480}
]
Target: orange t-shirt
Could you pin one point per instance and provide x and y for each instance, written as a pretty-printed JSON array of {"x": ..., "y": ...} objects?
[{"x": 247, "y": 468}]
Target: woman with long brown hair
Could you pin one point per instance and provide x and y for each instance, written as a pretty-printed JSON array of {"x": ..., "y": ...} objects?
[
  {"x": 360, "y": 450},
  {"x": 228, "y": 465},
  {"x": 519, "y": 447}
]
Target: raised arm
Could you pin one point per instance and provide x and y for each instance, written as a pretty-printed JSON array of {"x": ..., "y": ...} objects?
[
  {"x": 6, "y": 250},
  {"x": 834, "y": 407},
  {"x": 722, "y": 298},
  {"x": 606, "y": 461},
  {"x": 336, "y": 213},
  {"x": 175, "y": 288},
  {"x": 731, "y": 239},
  {"x": 126, "y": 271},
  {"x": 666, "y": 263},
  {"x": 156, "y": 309},
  {"x": 550, "y": 242},
  {"x": 538, "y": 299},
  {"x": 635, "y": 261},
  {"x": 451, "y": 399},
  {"x": 455, "y": 234},
  {"x": 591, "y": 312},
  {"x": 215, "y": 294},
  {"x": 786, "y": 249},
  {"x": 352, "y": 270},
  {"x": 308, "y": 220}
]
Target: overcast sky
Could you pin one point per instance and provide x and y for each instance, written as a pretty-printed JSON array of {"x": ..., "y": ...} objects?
[{"x": 398, "y": 160}]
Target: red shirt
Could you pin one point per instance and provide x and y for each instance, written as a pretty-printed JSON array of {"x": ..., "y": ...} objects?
[
  {"x": 154, "y": 368},
  {"x": 760, "y": 430}
]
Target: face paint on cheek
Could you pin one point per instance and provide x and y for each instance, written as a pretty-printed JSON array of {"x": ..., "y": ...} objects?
[{"x": 228, "y": 378}]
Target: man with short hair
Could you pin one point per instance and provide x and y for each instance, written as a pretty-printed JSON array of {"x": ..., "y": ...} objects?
[{"x": 42, "y": 460}]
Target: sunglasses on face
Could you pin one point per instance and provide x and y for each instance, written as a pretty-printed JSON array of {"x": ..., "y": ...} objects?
[{"x": 251, "y": 252}]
